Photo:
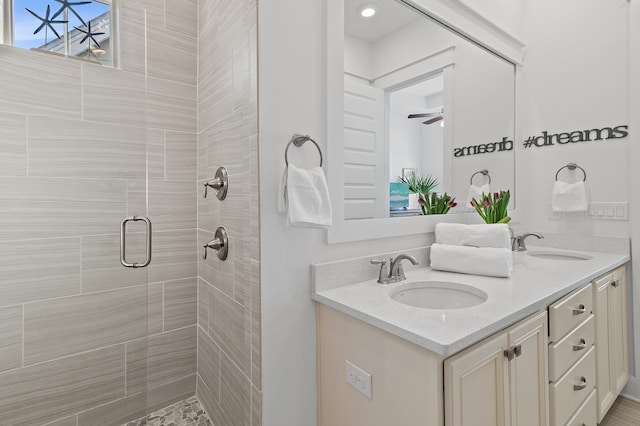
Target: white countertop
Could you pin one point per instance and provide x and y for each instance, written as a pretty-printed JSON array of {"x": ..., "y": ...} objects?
[{"x": 535, "y": 283}]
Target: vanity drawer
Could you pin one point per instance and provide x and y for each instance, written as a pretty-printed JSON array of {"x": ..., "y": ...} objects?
[
  {"x": 568, "y": 393},
  {"x": 570, "y": 348},
  {"x": 587, "y": 414},
  {"x": 568, "y": 312}
]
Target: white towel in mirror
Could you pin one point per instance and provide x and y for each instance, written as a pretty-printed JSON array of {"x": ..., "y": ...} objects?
[
  {"x": 476, "y": 191},
  {"x": 569, "y": 197}
]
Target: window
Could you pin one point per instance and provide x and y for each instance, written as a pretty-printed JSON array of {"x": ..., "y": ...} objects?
[{"x": 78, "y": 28}]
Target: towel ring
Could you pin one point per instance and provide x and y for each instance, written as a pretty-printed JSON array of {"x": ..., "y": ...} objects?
[
  {"x": 298, "y": 141},
  {"x": 482, "y": 172},
  {"x": 572, "y": 166}
]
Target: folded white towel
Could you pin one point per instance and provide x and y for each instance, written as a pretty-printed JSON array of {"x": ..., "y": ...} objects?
[
  {"x": 494, "y": 235},
  {"x": 476, "y": 192},
  {"x": 304, "y": 194},
  {"x": 492, "y": 262},
  {"x": 569, "y": 197}
]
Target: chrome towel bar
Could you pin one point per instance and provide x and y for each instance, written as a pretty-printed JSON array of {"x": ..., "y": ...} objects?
[{"x": 299, "y": 140}]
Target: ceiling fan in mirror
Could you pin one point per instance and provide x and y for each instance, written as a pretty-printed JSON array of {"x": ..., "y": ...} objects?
[{"x": 432, "y": 117}]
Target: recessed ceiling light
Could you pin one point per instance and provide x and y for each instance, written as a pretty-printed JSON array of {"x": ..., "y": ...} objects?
[{"x": 368, "y": 10}]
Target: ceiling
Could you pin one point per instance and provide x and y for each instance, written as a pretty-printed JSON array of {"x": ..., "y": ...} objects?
[{"x": 391, "y": 15}]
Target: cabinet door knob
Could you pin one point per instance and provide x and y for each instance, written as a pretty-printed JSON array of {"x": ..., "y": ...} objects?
[
  {"x": 580, "y": 346},
  {"x": 615, "y": 283},
  {"x": 581, "y": 385},
  {"x": 579, "y": 310}
]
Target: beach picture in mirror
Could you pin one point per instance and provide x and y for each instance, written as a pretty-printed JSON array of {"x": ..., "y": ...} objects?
[{"x": 415, "y": 92}]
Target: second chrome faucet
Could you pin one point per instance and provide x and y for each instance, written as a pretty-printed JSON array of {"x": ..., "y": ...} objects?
[{"x": 396, "y": 271}]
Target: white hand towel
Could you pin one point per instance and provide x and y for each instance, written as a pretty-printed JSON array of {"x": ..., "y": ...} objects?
[
  {"x": 476, "y": 192},
  {"x": 282, "y": 192},
  {"x": 307, "y": 197},
  {"x": 492, "y": 262},
  {"x": 569, "y": 197},
  {"x": 495, "y": 235}
]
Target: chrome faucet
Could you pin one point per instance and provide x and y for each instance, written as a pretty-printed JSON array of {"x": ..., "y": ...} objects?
[
  {"x": 517, "y": 241},
  {"x": 396, "y": 271}
]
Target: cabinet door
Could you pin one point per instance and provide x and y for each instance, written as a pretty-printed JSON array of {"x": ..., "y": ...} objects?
[
  {"x": 529, "y": 374},
  {"x": 610, "y": 311},
  {"x": 619, "y": 350},
  {"x": 477, "y": 385},
  {"x": 605, "y": 396}
]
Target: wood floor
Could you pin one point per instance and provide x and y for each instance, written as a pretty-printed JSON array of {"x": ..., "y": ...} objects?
[{"x": 624, "y": 412}]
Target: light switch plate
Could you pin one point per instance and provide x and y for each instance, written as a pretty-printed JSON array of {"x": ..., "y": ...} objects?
[{"x": 359, "y": 379}]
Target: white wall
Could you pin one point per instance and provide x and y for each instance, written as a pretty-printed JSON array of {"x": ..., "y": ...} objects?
[
  {"x": 574, "y": 78},
  {"x": 291, "y": 93},
  {"x": 633, "y": 388}
]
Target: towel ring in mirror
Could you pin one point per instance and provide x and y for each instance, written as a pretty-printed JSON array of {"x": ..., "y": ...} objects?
[
  {"x": 572, "y": 166},
  {"x": 484, "y": 172},
  {"x": 298, "y": 141}
]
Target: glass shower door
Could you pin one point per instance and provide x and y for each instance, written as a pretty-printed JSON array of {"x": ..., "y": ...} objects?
[{"x": 75, "y": 157}]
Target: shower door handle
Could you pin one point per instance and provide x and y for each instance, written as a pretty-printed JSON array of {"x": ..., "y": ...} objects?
[{"x": 123, "y": 242}]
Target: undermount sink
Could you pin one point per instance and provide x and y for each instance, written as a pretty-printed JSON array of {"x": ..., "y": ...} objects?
[
  {"x": 438, "y": 295},
  {"x": 555, "y": 255}
]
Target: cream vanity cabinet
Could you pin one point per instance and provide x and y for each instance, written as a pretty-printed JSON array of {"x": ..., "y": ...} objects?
[
  {"x": 612, "y": 359},
  {"x": 572, "y": 360},
  {"x": 501, "y": 380},
  {"x": 561, "y": 366}
]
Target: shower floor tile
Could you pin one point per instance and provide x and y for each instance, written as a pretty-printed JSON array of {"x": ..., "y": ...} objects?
[{"x": 184, "y": 413}]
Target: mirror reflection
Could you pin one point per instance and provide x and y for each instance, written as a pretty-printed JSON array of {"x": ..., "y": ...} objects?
[{"x": 421, "y": 101}]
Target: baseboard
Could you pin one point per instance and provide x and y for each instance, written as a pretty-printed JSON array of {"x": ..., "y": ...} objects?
[{"x": 632, "y": 389}]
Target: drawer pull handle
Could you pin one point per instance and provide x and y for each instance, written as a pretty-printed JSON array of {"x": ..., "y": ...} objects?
[
  {"x": 579, "y": 310},
  {"x": 581, "y": 385},
  {"x": 580, "y": 346}
]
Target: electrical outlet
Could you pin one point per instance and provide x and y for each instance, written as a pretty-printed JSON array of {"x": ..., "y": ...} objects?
[{"x": 359, "y": 379}]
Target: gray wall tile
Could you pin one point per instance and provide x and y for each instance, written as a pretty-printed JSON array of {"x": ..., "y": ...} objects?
[
  {"x": 172, "y": 205},
  {"x": 113, "y": 96},
  {"x": 13, "y": 144},
  {"x": 10, "y": 337},
  {"x": 181, "y": 156},
  {"x": 172, "y": 55},
  {"x": 85, "y": 149},
  {"x": 116, "y": 413},
  {"x": 235, "y": 394},
  {"x": 171, "y": 392},
  {"x": 101, "y": 267},
  {"x": 49, "y": 208},
  {"x": 60, "y": 327},
  {"x": 56, "y": 272},
  {"x": 174, "y": 256},
  {"x": 136, "y": 359},
  {"x": 183, "y": 16},
  {"x": 209, "y": 363},
  {"x": 26, "y": 88},
  {"x": 171, "y": 105},
  {"x": 172, "y": 355},
  {"x": 180, "y": 303},
  {"x": 156, "y": 308},
  {"x": 229, "y": 329},
  {"x": 39, "y": 393},
  {"x": 69, "y": 421}
]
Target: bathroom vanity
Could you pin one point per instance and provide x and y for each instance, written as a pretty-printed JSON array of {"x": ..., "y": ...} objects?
[{"x": 548, "y": 346}]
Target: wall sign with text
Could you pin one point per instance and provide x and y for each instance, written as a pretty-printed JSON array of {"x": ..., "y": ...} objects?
[
  {"x": 485, "y": 148},
  {"x": 606, "y": 133}
]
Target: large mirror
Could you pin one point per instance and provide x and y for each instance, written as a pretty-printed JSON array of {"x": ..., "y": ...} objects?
[{"x": 419, "y": 98}]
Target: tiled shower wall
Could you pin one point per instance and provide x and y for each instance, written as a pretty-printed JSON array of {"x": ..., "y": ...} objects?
[
  {"x": 229, "y": 343},
  {"x": 76, "y": 328}
]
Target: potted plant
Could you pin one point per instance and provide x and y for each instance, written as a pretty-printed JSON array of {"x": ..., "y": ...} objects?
[
  {"x": 492, "y": 208},
  {"x": 430, "y": 202}
]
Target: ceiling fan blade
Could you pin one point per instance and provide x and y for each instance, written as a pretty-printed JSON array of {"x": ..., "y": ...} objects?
[
  {"x": 425, "y": 115},
  {"x": 433, "y": 120}
]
